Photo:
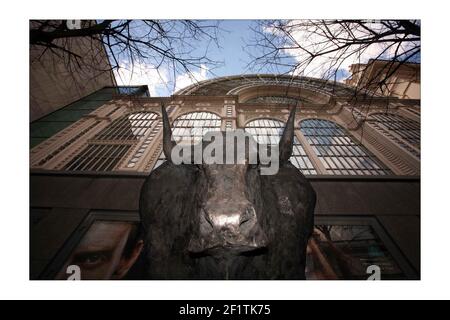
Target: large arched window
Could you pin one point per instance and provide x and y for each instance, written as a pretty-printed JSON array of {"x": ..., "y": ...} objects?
[
  {"x": 269, "y": 131},
  {"x": 337, "y": 151},
  {"x": 401, "y": 130},
  {"x": 109, "y": 146},
  {"x": 190, "y": 127}
]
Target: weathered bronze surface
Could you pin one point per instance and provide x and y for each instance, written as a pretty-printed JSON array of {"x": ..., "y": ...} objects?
[{"x": 226, "y": 221}]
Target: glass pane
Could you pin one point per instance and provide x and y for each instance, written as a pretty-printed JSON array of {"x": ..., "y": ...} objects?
[
  {"x": 346, "y": 251},
  {"x": 269, "y": 131},
  {"x": 337, "y": 150},
  {"x": 196, "y": 125}
]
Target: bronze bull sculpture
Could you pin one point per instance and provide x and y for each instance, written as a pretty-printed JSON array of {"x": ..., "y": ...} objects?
[{"x": 226, "y": 221}]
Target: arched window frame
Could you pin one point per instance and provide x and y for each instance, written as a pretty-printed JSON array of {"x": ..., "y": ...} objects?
[
  {"x": 185, "y": 121},
  {"x": 273, "y": 129},
  {"x": 185, "y": 125},
  {"x": 339, "y": 152}
]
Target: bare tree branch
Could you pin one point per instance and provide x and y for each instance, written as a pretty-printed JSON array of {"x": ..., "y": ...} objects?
[
  {"x": 326, "y": 48},
  {"x": 317, "y": 47},
  {"x": 178, "y": 44}
]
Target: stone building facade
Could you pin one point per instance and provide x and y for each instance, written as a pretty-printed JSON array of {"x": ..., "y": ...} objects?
[
  {"x": 361, "y": 153},
  {"x": 404, "y": 83},
  {"x": 57, "y": 79}
]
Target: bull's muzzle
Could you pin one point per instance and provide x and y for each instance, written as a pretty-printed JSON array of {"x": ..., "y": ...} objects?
[{"x": 232, "y": 231}]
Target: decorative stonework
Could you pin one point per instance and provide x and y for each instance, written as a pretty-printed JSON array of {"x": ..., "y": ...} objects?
[
  {"x": 229, "y": 110},
  {"x": 145, "y": 144},
  {"x": 393, "y": 135},
  {"x": 65, "y": 145},
  {"x": 50, "y": 148},
  {"x": 229, "y": 114},
  {"x": 112, "y": 111},
  {"x": 401, "y": 166},
  {"x": 45, "y": 145},
  {"x": 151, "y": 162},
  {"x": 333, "y": 102},
  {"x": 229, "y": 125}
]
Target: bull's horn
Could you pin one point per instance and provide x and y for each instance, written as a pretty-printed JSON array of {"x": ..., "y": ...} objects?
[
  {"x": 168, "y": 143},
  {"x": 287, "y": 139}
]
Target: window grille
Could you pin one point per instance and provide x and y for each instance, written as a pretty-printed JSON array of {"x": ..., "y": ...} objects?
[
  {"x": 338, "y": 152},
  {"x": 98, "y": 157},
  {"x": 190, "y": 127},
  {"x": 269, "y": 131},
  {"x": 108, "y": 147},
  {"x": 130, "y": 127}
]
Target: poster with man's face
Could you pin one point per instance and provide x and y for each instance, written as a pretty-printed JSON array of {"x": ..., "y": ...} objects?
[{"x": 109, "y": 249}]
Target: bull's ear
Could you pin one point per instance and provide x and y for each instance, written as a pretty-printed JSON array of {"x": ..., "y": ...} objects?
[
  {"x": 287, "y": 139},
  {"x": 168, "y": 143}
]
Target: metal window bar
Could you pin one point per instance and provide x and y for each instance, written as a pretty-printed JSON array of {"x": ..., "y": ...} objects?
[
  {"x": 338, "y": 152},
  {"x": 98, "y": 157},
  {"x": 270, "y": 131},
  {"x": 186, "y": 127},
  {"x": 182, "y": 129},
  {"x": 112, "y": 143},
  {"x": 132, "y": 127}
]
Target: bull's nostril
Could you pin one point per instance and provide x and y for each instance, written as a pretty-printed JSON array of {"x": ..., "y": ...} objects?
[
  {"x": 208, "y": 219},
  {"x": 206, "y": 225},
  {"x": 247, "y": 218},
  {"x": 243, "y": 221}
]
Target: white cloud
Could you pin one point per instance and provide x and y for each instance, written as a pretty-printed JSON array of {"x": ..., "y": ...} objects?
[
  {"x": 160, "y": 82},
  {"x": 315, "y": 41},
  {"x": 143, "y": 74},
  {"x": 186, "y": 79}
]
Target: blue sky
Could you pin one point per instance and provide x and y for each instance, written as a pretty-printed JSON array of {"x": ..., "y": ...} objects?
[
  {"x": 233, "y": 38},
  {"x": 232, "y": 42},
  {"x": 234, "y": 46}
]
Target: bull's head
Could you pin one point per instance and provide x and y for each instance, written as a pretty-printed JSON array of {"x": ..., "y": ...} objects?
[{"x": 226, "y": 220}]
